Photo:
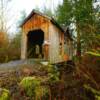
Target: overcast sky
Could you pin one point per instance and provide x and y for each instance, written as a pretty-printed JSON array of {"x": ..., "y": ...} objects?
[{"x": 28, "y": 5}]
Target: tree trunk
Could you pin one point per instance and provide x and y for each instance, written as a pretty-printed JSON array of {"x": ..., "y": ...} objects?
[{"x": 78, "y": 53}]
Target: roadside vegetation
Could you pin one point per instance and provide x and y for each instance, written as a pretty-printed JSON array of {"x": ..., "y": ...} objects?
[{"x": 78, "y": 79}]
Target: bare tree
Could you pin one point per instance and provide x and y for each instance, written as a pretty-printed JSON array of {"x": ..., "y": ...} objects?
[
  {"x": 5, "y": 15},
  {"x": 5, "y": 20}
]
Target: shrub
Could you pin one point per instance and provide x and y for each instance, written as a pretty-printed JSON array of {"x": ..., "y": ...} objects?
[
  {"x": 53, "y": 74},
  {"x": 10, "y": 51}
]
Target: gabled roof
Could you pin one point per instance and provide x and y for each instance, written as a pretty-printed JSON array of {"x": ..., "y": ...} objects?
[
  {"x": 67, "y": 33},
  {"x": 41, "y": 14}
]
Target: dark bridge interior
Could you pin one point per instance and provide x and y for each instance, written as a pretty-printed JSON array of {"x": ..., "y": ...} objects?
[{"x": 34, "y": 44}]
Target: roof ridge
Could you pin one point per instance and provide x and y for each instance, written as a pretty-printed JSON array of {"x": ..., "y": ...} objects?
[{"x": 43, "y": 15}]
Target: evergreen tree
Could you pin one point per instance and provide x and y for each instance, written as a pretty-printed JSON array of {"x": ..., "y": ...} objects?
[{"x": 82, "y": 15}]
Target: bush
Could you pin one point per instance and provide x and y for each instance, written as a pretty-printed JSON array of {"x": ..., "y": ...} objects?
[
  {"x": 10, "y": 51},
  {"x": 53, "y": 74}
]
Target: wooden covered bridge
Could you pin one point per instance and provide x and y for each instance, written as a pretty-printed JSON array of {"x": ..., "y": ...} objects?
[{"x": 42, "y": 37}]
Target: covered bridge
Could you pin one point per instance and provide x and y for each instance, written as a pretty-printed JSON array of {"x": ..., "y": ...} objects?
[{"x": 42, "y": 38}]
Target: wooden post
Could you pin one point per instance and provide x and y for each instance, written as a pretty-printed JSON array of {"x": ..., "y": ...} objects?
[
  {"x": 46, "y": 50},
  {"x": 24, "y": 46}
]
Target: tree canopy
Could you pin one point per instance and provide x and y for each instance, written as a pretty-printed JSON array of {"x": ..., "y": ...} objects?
[{"x": 85, "y": 18}]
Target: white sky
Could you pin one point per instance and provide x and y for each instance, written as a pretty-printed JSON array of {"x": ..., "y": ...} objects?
[{"x": 28, "y": 5}]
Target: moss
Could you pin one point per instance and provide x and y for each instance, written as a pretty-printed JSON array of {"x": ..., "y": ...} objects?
[
  {"x": 29, "y": 84},
  {"x": 5, "y": 95},
  {"x": 42, "y": 93},
  {"x": 33, "y": 88}
]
